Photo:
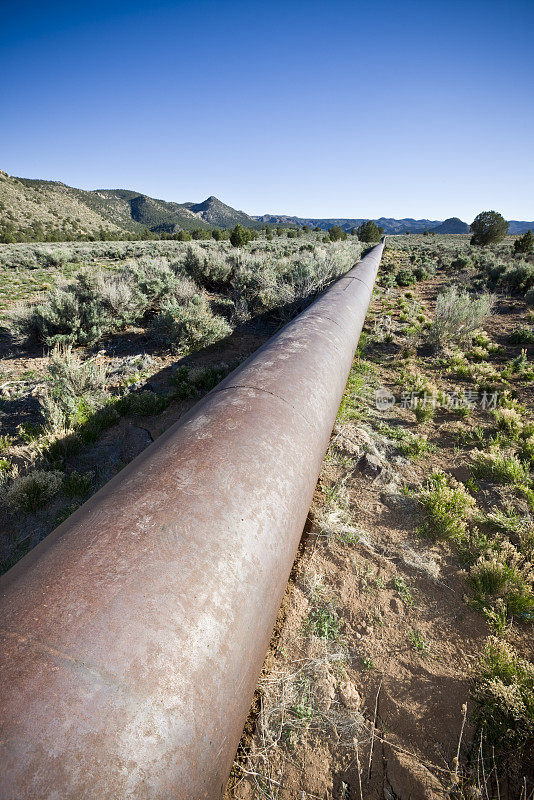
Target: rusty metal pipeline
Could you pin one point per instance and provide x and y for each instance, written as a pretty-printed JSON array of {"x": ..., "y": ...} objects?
[{"x": 134, "y": 634}]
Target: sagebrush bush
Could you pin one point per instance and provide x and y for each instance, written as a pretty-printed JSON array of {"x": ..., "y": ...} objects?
[
  {"x": 457, "y": 317},
  {"x": 76, "y": 313},
  {"x": 270, "y": 274},
  {"x": 190, "y": 325},
  {"x": 74, "y": 389},
  {"x": 405, "y": 277},
  {"x": 77, "y": 485},
  {"x": 30, "y": 492},
  {"x": 143, "y": 403},
  {"x": 211, "y": 269},
  {"x": 96, "y": 304},
  {"x": 518, "y": 277}
]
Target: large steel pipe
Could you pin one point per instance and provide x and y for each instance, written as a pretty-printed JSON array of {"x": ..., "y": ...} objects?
[{"x": 133, "y": 636}]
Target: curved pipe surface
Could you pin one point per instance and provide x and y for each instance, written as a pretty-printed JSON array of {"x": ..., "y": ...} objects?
[{"x": 134, "y": 634}]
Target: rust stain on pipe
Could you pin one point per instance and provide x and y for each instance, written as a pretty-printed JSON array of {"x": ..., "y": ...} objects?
[{"x": 133, "y": 635}]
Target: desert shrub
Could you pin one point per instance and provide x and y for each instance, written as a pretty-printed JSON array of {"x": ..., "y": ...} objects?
[
  {"x": 498, "y": 467},
  {"x": 190, "y": 325},
  {"x": 518, "y": 277},
  {"x": 211, "y": 269},
  {"x": 522, "y": 335},
  {"x": 494, "y": 272},
  {"x": 271, "y": 279},
  {"x": 54, "y": 258},
  {"x": 78, "y": 313},
  {"x": 193, "y": 382},
  {"x": 143, "y": 403},
  {"x": 77, "y": 485},
  {"x": 386, "y": 279},
  {"x": 96, "y": 304},
  {"x": 447, "y": 507},
  {"x": 461, "y": 262},
  {"x": 420, "y": 273},
  {"x": 503, "y": 693},
  {"x": 74, "y": 389},
  {"x": 405, "y": 277},
  {"x": 457, "y": 317},
  {"x": 30, "y": 492},
  {"x": 93, "y": 427},
  {"x": 153, "y": 281}
]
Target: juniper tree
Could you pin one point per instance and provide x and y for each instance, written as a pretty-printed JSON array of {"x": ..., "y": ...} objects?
[
  {"x": 369, "y": 232},
  {"x": 525, "y": 243},
  {"x": 489, "y": 227}
]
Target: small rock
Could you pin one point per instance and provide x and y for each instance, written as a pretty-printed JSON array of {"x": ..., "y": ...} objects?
[
  {"x": 396, "y": 605},
  {"x": 324, "y": 693},
  {"x": 349, "y": 695},
  {"x": 371, "y": 464}
]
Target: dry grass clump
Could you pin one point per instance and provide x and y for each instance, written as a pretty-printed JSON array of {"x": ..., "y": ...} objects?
[
  {"x": 502, "y": 579},
  {"x": 500, "y": 467},
  {"x": 503, "y": 693},
  {"x": 301, "y": 700},
  {"x": 509, "y": 420},
  {"x": 334, "y": 521},
  {"x": 447, "y": 507}
]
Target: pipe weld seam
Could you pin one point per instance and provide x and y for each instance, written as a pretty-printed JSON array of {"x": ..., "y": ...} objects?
[
  {"x": 354, "y": 278},
  {"x": 265, "y": 391}
]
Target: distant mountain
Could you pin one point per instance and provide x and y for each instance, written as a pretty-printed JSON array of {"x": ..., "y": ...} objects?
[
  {"x": 520, "y": 227},
  {"x": 39, "y": 208},
  {"x": 452, "y": 225},
  {"x": 391, "y": 226},
  {"x": 36, "y": 207}
]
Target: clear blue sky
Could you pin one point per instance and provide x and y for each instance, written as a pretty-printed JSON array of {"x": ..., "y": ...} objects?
[{"x": 350, "y": 109}]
